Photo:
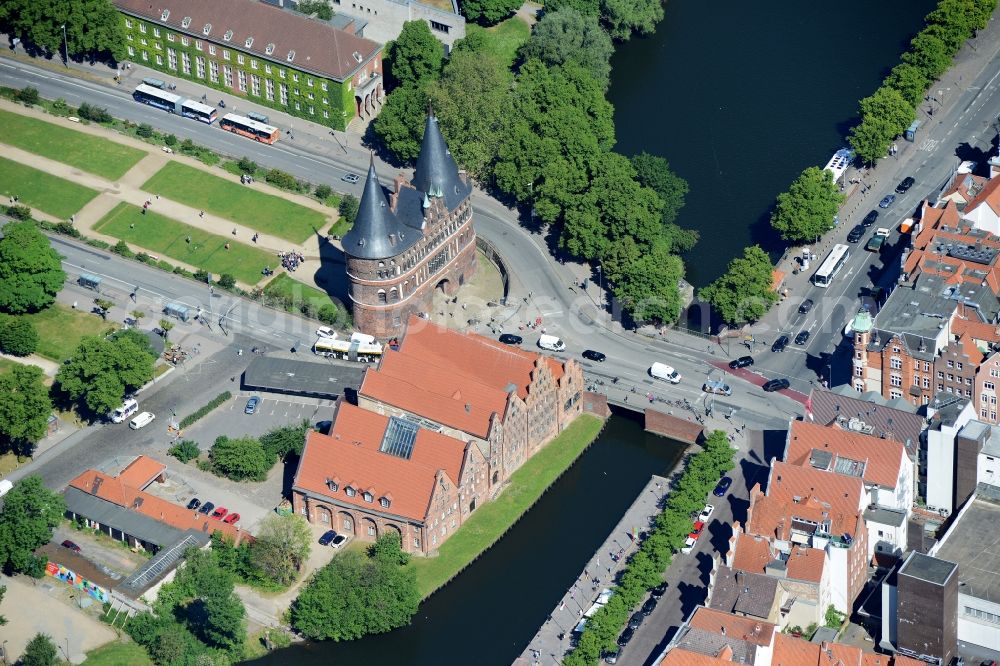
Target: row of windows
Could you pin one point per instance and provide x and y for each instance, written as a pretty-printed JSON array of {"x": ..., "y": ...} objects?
[
  {"x": 351, "y": 491},
  {"x": 993, "y": 414},
  {"x": 980, "y": 614}
]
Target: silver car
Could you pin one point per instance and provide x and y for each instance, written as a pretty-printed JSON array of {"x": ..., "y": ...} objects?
[{"x": 718, "y": 387}]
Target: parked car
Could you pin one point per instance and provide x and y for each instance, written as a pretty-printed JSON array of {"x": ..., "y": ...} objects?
[
  {"x": 231, "y": 519},
  {"x": 338, "y": 541},
  {"x": 511, "y": 339},
  {"x": 870, "y": 218},
  {"x": 325, "y": 332},
  {"x": 741, "y": 362},
  {"x": 252, "y": 405},
  {"x": 718, "y": 387},
  {"x": 72, "y": 546},
  {"x": 905, "y": 185},
  {"x": 350, "y": 178},
  {"x": 220, "y": 513},
  {"x": 327, "y": 537},
  {"x": 776, "y": 385},
  {"x": 802, "y": 338},
  {"x": 659, "y": 590},
  {"x": 689, "y": 543},
  {"x": 875, "y": 243},
  {"x": 592, "y": 355},
  {"x": 194, "y": 503},
  {"x": 780, "y": 344},
  {"x": 611, "y": 656},
  {"x": 722, "y": 486},
  {"x": 636, "y": 620},
  {"x": 855, "y": 234},
  {"x": 706, "y": 513},
  {"x": 887, "y": 201},
  {"x": 806, "y": 306},
  {"x": 649, "y": 606},
  {"x": 626, "y": 636},
  {"x": 206, "y": 508},
  {"x": 697, "y": 527}
]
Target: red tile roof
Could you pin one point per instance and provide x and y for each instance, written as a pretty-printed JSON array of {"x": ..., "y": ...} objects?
[
  {"x": 792, "y": 651},
  {"x": 791, "y": 488},
  {"x": 734, "y": 626},
  {"x": 753, "y": 554},
  {"x": 315, "y": 46},
  {"x": 113, "y": 490},
  {"x": 977, "y": 330},
  {"x": 681, "y": 657},
  {"x": 882, "y": 457},
  {"x": 140, "y": 472},
  {"x": 988, "y": 196},
  {"x": 350, "y": 455},
  {"x": 943, "y": 226}
]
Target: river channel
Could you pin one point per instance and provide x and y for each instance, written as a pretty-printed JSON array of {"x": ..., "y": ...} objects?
[
  {"x": 490, "y": 611},
  {"x": 740, "y": 97}
]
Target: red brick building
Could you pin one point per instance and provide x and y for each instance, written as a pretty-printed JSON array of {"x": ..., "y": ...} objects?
[{"x": 419, "y": 239}]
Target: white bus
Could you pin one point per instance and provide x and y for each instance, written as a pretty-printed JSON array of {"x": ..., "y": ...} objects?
[
  {"x": 348, "y": 350},
  {"x": 198, "y": 111},
  {"x": 158, "y": 98},
  {"x": 831, "y": 265}
]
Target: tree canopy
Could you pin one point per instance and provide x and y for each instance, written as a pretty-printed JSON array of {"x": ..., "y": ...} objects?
[
  {"x": 31, "y": 272},
  {"x": 622, "y": 18},
  {"x": 744, "y": 292},
  {"x": 284, "y": 440},
  {"x": 415, "y": 56},
  {"x": 806, "y": 211},
  {"x": 400, "y": 124},
  {"x": 25, "y": 409},
  {"x": 93, "y": 27},
  {"x": 101, "y": 371},
  {"x": 240, "y": 458},
  {"x": 357, "y": 594},
  {"x": 488, "y": 12},
  {"x": 40, "y": 651},
  {"x": 30, "y": 513},
  {"x": 282, "y": 547},
  {"x": 567, "y": 35},
  {"x": 18, "y": 336}
]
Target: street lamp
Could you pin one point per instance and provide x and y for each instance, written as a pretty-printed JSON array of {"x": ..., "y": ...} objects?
[
  {"x": 600, "y": 286},
  {"x": 65, "y": 46}
]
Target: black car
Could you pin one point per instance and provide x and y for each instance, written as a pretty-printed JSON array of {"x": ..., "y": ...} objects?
[
  {"x": 806, "y": 306},
  {"x": 722, "y": 486},
  {"x": 636, "y": 620},
  {"x": 592, "y": 355},
  {"x": 780, "y": 344},
  {"x": 649, "y": 606},
  {"x": 855, "y": 234},
  {"x": 905, "y": 184},
  {"x": 327, "y": 537},
  {"x": 659, "y": 590},
  {"x": 802, "y": 337},
  {"x": 206, "y": 508},
  {"x": 511, "y": 339},
  {"x": 194, "y": 504},
  {"x": 776, "y": 385},
  {"x": 741, "y": 362},
  {"x": 626, "y": 636},
  {"x": 870, "y": 218}
]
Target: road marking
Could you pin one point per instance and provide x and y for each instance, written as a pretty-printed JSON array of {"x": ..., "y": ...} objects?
[{"x": 928, "y": 144}]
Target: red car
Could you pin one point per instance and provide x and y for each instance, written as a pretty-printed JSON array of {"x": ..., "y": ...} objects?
[
  {"x": 697, "y": 528},
  {"x": 72, "y": 546},
  {"x": 232, "y": 518},
  {"x": 219, "y": 513}
]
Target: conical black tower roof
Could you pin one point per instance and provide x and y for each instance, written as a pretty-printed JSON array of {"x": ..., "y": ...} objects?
[
  {"x": 436, "y": 174},
  {"x": 376, "y": 233}
]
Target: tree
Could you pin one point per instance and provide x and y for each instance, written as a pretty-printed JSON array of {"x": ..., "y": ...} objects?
[
  {"x": 890, "y": 108},
  {"x": 165, "y": 326},
  {"x": 240, "y": 459},
  {"x": 348, "y": 208},
  {"x": 227, "y": 281},
  {"x": 285, "y": 440},
  {"x": 806, "y": 211},
  {"x": 473, "y": 104},
  {"x": 185, "y": 451},
  {"x": 101, "y": 371},
  {"x": 929, "y": 54},
  {"x": 567, "y": 35},
  {"x": 415, "y": 56},
  {"x": 318, "y": 8},
  {"x": 30, "y": 513},
  {"x": 18, "y": 336},
  {"x": 744, "y": 292},
  {"x": 910, "y": 81},
  {"x": 282, "y": 547},
  {"x": 323, "y": 192},
  {"x": 25, "y": 410},
  {"x": 488, "y": 12},
  {"x": 654, "y": 172},
  {"x": 649, "y": 288},
  {"x": 216, "y": 614},
  {"x": 356, "y": 595},
  {"x": 31, "y": 271},
  {"x": 103, "y": 305},
  {"x": 40, "y": 651},
  {"x": 171, "y": 644},
  {"x": 870, "y": 140},
  {"x": 624, "y": 17},
  {"x": 400, "y": 124},
  {"x": 93, "y": 27},
  {"x": 585, "y": 7}
]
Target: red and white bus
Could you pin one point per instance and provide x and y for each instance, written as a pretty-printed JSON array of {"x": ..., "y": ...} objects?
[{"x": 249, "y": 128}]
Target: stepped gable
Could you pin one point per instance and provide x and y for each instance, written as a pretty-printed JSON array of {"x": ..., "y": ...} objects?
[
  {"x": 377, "y": 233},
  {"x": 436, "y": 174}
]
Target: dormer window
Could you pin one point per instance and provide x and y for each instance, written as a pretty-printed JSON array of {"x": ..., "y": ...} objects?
[
  {"x": 384, "y": 502},
  {"x": 291, "y": 56},
  {"x": 249, "y": 42},
  {"x": 351, "y": 492},
  {"x": 207, "y": 29},
  {"x": 368, "y": 496},
  {"x": 228, "y": 36},
  {"x": 269, "y": 49},
  {"x": 186, "y": 22},
  {"x": 357, "y": 56},
  {"x": 165, "y": 15},
  {"x": 332, "y": 485}
]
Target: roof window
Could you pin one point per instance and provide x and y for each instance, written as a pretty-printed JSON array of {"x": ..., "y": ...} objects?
[
  {"x": 207, "y": 29},
  {"x": 357, "y": 56},
  {"x": 165, "y": 15},
  {"x": 228, "y": 36},
  {"x": 291, "y": 56},
  {"x": 351, "y": 492},
  {"x": 368, "y": 496},
  {"x": 385, "y": 502},
  {"x": 269, "y": 49},
  {"x": 249, "y": 42}
]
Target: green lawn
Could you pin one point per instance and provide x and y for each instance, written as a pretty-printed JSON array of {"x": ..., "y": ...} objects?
[
  {"x": 240, "y": 203},
  {"x": 162, "y": 235},
  {"x": 504, "y": 38},
  {"x": 285, "y": 285},
  {"x": 118, "y": 654},
  {"x": 49, "y": 194},
  {"x": 490, "y": 521},
  {"x": 83, "y": 151},
  {"x": 60, "y": 329}
]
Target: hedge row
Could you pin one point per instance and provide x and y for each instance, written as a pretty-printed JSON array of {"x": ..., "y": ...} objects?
[{"x": 203, "y": 411}]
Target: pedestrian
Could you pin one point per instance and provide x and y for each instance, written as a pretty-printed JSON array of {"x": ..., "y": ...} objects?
[
  {"x": 234, "y": 231},
  {"x": 562, "y": 605},
  {"x": 201, "y": 214},
  {"x": 132, "y": 226},
  {"x": 74, "y": 305},
  {"x": 227, "y": 246},
  {"x": 188, "y": 239},
  {"x": 157, "y": 197},
  {"x": 143, "y": 210}
]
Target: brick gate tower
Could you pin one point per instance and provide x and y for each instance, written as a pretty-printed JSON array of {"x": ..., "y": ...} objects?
[{"x": 404, "y": 246}]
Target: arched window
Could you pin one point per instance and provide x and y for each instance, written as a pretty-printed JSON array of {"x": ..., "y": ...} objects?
[{"x": 381, "y": 296}]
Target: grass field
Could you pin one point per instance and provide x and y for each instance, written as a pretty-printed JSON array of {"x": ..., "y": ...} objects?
[
  {"x": 60, "y": 329},
  {"x": 240, "y": 203},
  {"x": 118, "y": 654},
  {"x": 490, "y": 521},
  {"x": 285, "y": 285},
  {"x": 49, "y": 194},
  {"x": 504, "y": 38},
  {"x": 161, "y": 235},
  {"x": 83, "y": 151}
]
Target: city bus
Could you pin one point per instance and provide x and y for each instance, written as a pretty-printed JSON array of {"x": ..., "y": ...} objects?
[
  {"x": 831, "y": 265},
  {"x": 198, "y": 111},
  {"x": 354, "y": 349},
  {"x": 158, "y": 98},
  {"x": 251, "y": 129}
]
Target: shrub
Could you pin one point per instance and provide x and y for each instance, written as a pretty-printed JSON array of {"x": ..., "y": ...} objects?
[
  {"x": 348, "y": 208},
  {"x": 203, "y": 276},
  {"x": 323, "y": 192},
  {"x": 240, "y": 459},
  {"x": 328, "y": 314},
  {"x": 185, "y": 451},
  {"x": 170, "y": 140},
  {"x": 98, "y": 243},
  {"x": 282, "y": 179},
  {"x": 95, "y": 113},
  {"x": 145, "y": 130},
  {"x": 227, "y": 281},
  {"x": 203, "y": 411},
  {"x": 19, "y": 212},
  {"x": 66, "y": 229},
  {"x": 28, "y": 96},
  {"x": 18, "y": 337},
  {"x": 247, "y": 165},
  {"x": 143, "y": 257},
  {"x": 122, "y": 248}
]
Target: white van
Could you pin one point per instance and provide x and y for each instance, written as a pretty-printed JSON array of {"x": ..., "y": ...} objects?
[
  {"x": 664, "y": 372},
  {"x": 142, "y": 420},
  {"x": 5, "y": 487},
  {"x": 551, "y": 342},
  {"x": 326, "y": 332},
  {"x": 127, "y": 409}
]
